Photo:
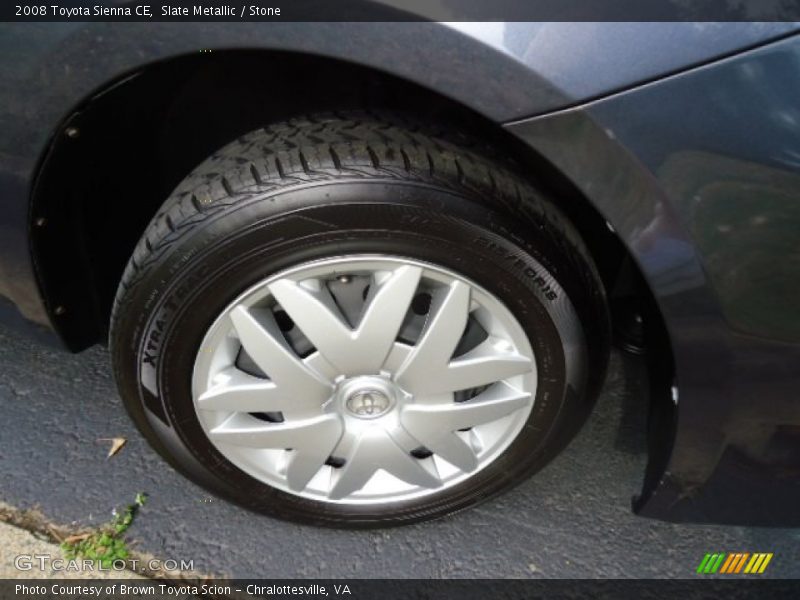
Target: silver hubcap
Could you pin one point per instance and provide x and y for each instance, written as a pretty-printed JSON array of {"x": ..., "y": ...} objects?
[{"x": 364, "y": 379}]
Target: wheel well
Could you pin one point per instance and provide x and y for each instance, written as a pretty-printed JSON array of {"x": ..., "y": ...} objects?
[{"x": 121, "y": 152}]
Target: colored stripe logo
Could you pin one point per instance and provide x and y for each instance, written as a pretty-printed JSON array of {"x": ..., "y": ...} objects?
[{"x": 734, "y": 563}]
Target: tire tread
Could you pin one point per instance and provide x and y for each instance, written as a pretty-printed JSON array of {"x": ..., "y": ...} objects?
[{"x": 353, "y": 145}]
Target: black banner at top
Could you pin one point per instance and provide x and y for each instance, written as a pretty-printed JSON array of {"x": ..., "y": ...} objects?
[{"x": 399, "y": 10}]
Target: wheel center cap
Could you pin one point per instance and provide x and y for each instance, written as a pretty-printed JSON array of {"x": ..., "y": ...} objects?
[
  {"x": 367, "y": 397},
  {"x": 368, "y": 403}
]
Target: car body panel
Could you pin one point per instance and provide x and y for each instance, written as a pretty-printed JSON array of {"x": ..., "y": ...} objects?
[
  {"x": 700, "y": 176},
  {"x": 588, "y": 60}
]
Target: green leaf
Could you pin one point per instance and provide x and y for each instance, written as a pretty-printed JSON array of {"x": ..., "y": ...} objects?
[{"x": 107, "y": 543}]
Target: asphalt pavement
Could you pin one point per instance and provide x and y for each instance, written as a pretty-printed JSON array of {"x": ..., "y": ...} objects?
[{"x": 573, "y": 520}]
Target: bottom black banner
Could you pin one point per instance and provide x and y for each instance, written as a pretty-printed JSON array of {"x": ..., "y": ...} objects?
[{"x": 390, "y": 589}]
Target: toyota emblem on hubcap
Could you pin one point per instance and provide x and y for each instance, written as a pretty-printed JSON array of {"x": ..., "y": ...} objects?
[{"x": 368, "y": 403}]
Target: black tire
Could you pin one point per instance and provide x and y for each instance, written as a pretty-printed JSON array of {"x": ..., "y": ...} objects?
[{"x": 316, "y": 186}]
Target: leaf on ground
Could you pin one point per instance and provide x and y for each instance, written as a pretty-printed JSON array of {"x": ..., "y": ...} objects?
[
  {"x": 116, "y": 445},
  {"x": 77, "y": 538},
  {"x": 58, "y": 535}
]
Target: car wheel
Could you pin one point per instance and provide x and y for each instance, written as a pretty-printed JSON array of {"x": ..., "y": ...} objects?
[{"x": 358, "y": 320}]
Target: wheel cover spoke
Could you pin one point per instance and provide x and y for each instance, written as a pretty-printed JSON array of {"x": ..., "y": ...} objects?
[
  {"x": 429, "y": 368},
  {"x": 391, "y": 402},
  {"x": 436, "y": 424},
  {"x": 309, "y": 442},
  {"x": 295, "y": 434},
  {"x": 446, "y": 323},
  {"x": 375, "y": 449},
  {"x": 265, "y": 344},
  {"x": 351, "y": 351},
  {"x": 475, "y": 369},
  {"x": 240, "y": 392}
]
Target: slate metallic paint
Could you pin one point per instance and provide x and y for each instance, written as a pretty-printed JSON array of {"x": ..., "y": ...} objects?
[
  {"x": 667, "y": 163},
  {"x": 700, "y": 175}
]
